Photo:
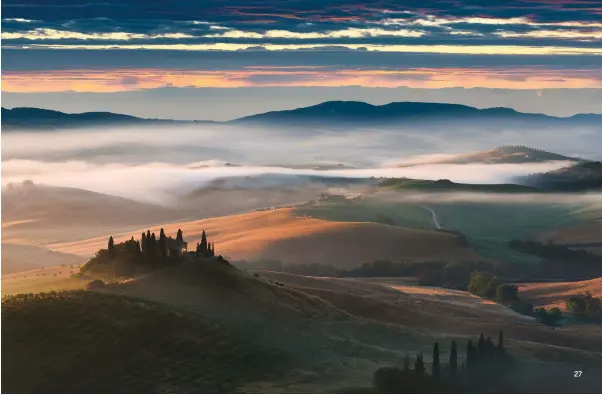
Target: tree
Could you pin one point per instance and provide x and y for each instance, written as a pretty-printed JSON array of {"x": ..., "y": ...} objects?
[
  {"x": 180, "y": 237},
  {"x": 481, "y": 347},
  {"x": 453, "y": 360},
  {"x": 577, "y": 306},
  {"x": 162, "y": 244},
  {"x": 471, "y": 355},
  {"x": 406, "y": 363},
  {"x": 419, "y": 365},
  {"x": 203, "y": 247},
  {"x": 436, "y": 368},
  {"x": 111, "y": 247},
  {"x": 143, "y": 242},
  {"x": 507, "y": 293},
  {"x": 500, "y": 342}
]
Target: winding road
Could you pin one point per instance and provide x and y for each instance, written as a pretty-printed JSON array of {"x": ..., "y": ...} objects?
[{"x": 434, "y": 216}]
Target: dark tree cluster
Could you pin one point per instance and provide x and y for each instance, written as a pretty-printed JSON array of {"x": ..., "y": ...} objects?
[
  {"x": 150, "y": 252},
  {"x": 205, "y": 248},
  {"x": 482, "y": 369},
  {"x": 585, "y": 307},
  {"x": 561, "y": 260}
]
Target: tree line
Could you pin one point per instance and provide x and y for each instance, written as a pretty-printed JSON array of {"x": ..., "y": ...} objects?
[
  {"x": 482, "y": 368},
  {"x": 147, "y": 253}
]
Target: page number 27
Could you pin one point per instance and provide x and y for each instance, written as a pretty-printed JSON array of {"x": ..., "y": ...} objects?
[{"x": 577, "y": 373}]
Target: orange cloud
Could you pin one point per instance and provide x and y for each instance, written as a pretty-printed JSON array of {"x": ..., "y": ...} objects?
[{"x": 133, "y": 79}]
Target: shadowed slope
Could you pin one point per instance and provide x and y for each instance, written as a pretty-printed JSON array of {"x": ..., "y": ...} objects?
[
  {"x": 84, "y": 342},
  {"x": 555, "y": 294}
]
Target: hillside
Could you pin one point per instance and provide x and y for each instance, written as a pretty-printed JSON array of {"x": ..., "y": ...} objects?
[
  {"x": 505, "y": 154},
  {"x": 583, "y": 235},
  {"x": 353, "y": 111},
  {"x": 579, "y": 177},
  {"x": 45, "y": 214},
  {"x": 555, "y": 294},
  {"x": 22, "y": 257},
  {"x": 282, "y": 235},
  {"x": 83, "y": 342},
  {"x": 450, "y": 186},
  {"x": 24, "y": 118}
]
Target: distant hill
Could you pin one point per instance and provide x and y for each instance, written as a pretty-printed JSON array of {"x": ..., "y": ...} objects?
[
  {"x": 323, "y": 114},
  {"x": 579, "y": 177},
  {"x": 505, "y": 154},
  {"x": 37, "y": 118},
  {"x": 450, "y": 186},
  {"x": 353, "y": 111}
]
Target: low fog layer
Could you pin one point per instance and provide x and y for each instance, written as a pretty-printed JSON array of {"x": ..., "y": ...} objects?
[
  {"x": 156, "y": 164},
  {"x": 160, "y": 182}
]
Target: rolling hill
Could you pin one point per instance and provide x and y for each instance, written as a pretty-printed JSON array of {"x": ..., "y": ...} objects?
[
  {"x": 21, "y": 118},
  {"x": 84, "y": 342},
  {"x": 584, "y": 235},
  {"x": 282, "y": 235},
  {"x": 450, "y": 186},
  {"x": 353, "y": 111},
  {"x": 505, "y": 154},
  {"x": 555, "y": 294},
  {"x": 585, "y": 176}
]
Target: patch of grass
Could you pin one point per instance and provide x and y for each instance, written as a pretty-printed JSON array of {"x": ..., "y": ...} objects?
[{"x": 83, "y": 342}]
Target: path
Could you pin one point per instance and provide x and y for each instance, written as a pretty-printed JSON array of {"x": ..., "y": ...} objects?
[{"x": 434, "y": 215}]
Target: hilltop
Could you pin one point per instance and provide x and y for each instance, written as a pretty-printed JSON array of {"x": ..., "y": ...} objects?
[
  {"x": 326, "y": 113},
  {"x": 37, "y": 118},
  {"x": 354, "y": 111},
  {"x": 505, "y": 154},
  {"x": 450, "y": 186},
  {"x": 579, "y": 177}
]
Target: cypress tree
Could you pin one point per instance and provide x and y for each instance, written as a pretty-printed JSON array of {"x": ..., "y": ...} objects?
[
  {"x": 180, "y": 237},
  {"x": 198, "y": 249},
  {"x": 470, "y": 355},
  {"x": 111, "y": 247},
  {"x": 213, "y": 249},
  {"x": 162, "y": 244},
  {"x": 481, "y": 347},
  {"x": 436, "y": 362},
  {"x": 203, "y": 248},
  {"x": 143, "y": 242},
  {"x": 419, "y": 366},
  {"x": 152, "y": 248},
  {"x": 453, "y": 360},
  {"x": 148, "y": 234},
  {"x": 500, "y": 342}
]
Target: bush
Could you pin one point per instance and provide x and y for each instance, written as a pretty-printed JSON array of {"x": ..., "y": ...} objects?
[
  {"x": 95, "y": 284},
  {"x": 507, "y": 293}
]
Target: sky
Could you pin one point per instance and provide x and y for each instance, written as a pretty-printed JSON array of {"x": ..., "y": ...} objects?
[{"x": 218, "y": 59}]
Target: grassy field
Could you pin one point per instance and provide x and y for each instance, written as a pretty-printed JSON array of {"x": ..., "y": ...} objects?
[
  {"x": 52, "y": 278},
  {"x": 487, "y": 225},
  {"x": 83, "y": 342}
]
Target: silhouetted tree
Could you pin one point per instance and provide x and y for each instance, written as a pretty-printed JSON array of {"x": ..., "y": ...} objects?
[
  {"x": 453, "y": 360},
  {"x": 406, "y": 363},
  {"x": 419, "y": 365},
  {"x": 203, "y": 246},
  {"x": 162, "y": 244},
  {"x": 180, "y": 237},
  {"x": 471, "y": 355},
  {"x": 481, "y": 347},
  {"x": 500, "y": 342},
  {"x": 143, "y": 242},
  {"x": 436, "y": 369},
  {"x": 111, "y": 247}
]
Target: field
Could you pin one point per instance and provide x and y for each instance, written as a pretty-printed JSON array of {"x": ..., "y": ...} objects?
[
  {"x": 52, "y": 278},
  {"x": 582, "y": 235},
  {"x": 489, "y": 222},
  {"x": 279, "y": 234},
  {"x": 555, "y": 294}
]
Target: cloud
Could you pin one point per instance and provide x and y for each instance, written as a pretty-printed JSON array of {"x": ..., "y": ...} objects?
[
  {"x": 346, "y": 33},
  {"x": 53, "y": 34}
]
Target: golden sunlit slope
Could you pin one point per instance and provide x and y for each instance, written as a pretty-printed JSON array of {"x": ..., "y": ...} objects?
[
  {"x": 585, "y": 235},
  {"x": 279, "y": 234},
  {"x": 21, "y": 257},
  {"x": 46, "y": 279},
  {"x": 43, "y": 214},
  {"x": 555, "y": 294}
]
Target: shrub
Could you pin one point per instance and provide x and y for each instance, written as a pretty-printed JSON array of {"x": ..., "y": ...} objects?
[{"x": 95, "y": 284}]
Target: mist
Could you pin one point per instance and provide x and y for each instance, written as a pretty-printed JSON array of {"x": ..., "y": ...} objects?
[{"x": 156, "y": 164}]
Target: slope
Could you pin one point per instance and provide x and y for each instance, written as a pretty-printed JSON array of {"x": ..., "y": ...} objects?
[
  {"x": 282, "y": 235},
  {"x": 84, "y": 342},
  {"x": 583, "y": 235},
  {"x": 555, "y": 294}
]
